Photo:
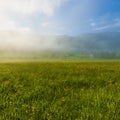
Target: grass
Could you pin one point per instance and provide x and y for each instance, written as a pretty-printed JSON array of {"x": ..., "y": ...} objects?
[{"x": 63, "y": 90}]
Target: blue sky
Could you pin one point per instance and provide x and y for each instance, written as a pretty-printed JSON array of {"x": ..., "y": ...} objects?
[{"x": 71, "y": 17}]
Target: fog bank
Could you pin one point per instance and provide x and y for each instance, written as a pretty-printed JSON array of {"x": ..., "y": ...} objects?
[{"x": 27, "y": 41}]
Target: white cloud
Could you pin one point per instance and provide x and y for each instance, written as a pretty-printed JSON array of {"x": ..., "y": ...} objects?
[
  {"x": 24, "y": 8},
  {"x": 115, "y": 24},
  {"x": 8, "y": 24},
  {"x": 103, "y": 27},
  {"x": 31, "y": 6}
]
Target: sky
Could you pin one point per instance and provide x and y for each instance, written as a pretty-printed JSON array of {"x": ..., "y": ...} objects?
[{"x": 61, "y": 17}]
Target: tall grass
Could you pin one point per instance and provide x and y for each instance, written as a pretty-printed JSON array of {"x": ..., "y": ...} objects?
[{"x": 60, "y": 91}]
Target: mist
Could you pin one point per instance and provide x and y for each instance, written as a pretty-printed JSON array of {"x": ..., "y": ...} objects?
[
  {"x": 20, "y": 44},
  {"x": 25, "y": 41}
]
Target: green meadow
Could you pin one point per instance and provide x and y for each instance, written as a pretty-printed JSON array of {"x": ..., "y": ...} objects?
[{"x": 60, "y": 90}]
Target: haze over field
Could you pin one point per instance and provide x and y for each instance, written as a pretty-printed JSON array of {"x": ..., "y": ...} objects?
[
  {"x": 15, "y": 41},
  {"x": 60, "y": 26}
]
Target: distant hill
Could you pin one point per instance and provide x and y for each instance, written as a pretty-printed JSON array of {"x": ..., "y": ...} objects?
[{"x": 91, "y": 42}]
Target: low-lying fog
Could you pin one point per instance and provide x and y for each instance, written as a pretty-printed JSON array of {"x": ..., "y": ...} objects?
[
  {"x": 18, "y": 41},
  {"x": 11, "y": 41}
]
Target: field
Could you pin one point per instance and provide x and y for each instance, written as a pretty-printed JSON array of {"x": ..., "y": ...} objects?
[{"x": 60, "y": 90}]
